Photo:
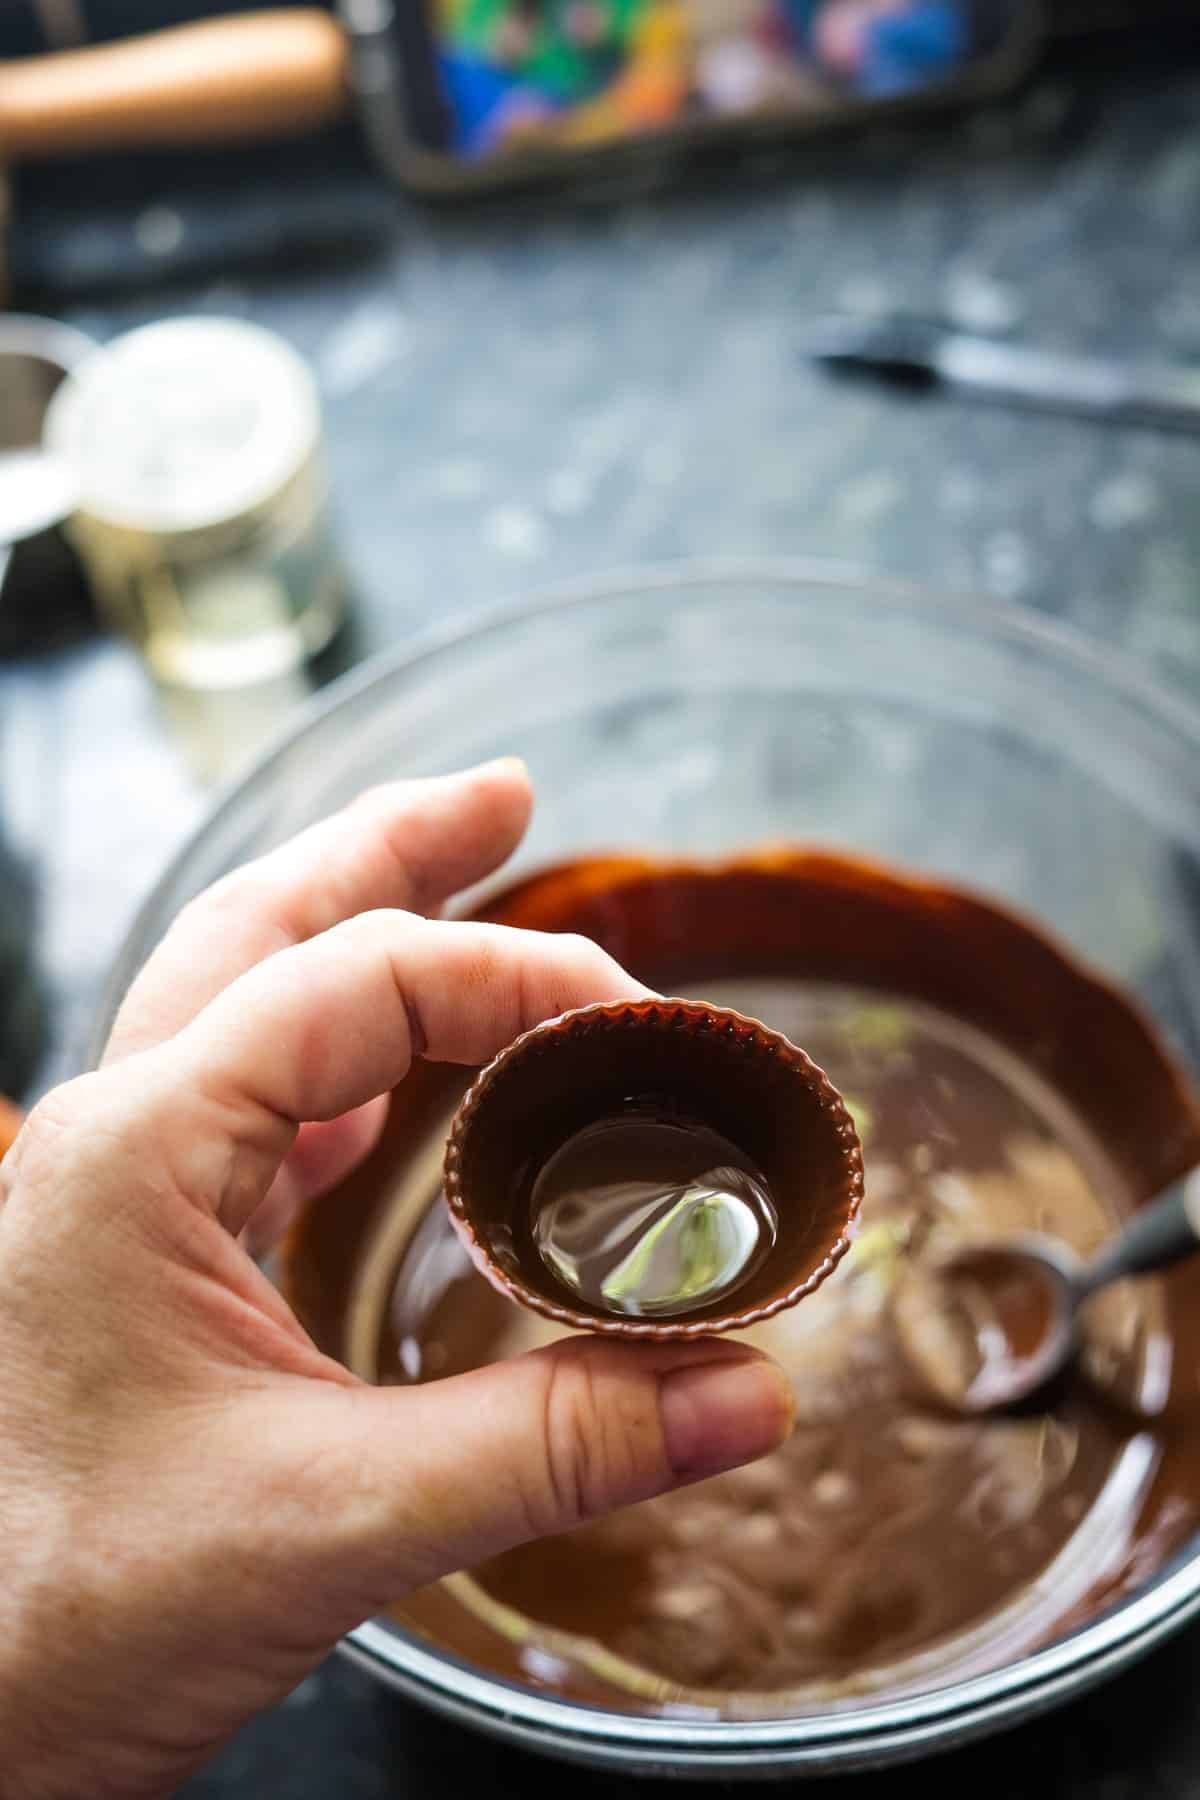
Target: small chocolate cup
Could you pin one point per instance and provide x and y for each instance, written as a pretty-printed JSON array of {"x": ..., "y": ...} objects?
[{"x": 706, "y": 1063}]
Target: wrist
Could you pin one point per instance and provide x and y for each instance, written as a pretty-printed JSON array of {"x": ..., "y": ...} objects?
[{"x": 57, "y": 1741}]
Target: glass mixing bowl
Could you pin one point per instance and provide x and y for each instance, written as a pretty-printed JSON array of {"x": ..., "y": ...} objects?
[{"x": 706, "y": 710}]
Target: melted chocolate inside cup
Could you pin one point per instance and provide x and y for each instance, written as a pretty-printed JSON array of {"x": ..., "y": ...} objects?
[
  {"x": 998, "y": 1087},
  {"x": 649, "y": 1215}
]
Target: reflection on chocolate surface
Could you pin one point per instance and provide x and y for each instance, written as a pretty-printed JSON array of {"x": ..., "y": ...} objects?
[
  {"x": 645, "y": 1213},
  {"x": 997, "y": 1087}
]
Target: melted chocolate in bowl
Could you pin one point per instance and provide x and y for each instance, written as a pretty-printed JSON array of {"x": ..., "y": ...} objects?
[{"x": 998, "y": 1088}]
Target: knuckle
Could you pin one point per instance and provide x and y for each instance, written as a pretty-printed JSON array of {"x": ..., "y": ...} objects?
[
  {"x": 63, "y": 1110},
  {"x": 258, "y": 895},
  {"x": 601, "y": 1441},
  {"x": 584, "y": 969},
  {"x": 481, "y": 965},
  {"x": 596, "y": 967},
  {"x": 584, "y": 950},
  {"x": 245, "y": 900},
  {"x": 55, "y": 1130},
  {"x": 349, "y": 937},
  {"x": 565, "y": 1481},
  {"x": 388, "y": 839},
  {"x": 486, "y": 958},
  {"x": 486, "y": 963},
  {"x": 378, "y": 825},
  {"x": 232, "y": 894},
  {"x": 366, "y": 933},
  {"x": 373, "y": 803}
]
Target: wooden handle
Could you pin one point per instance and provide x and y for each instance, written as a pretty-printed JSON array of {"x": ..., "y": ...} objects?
[{"x": 257, "y": 75}]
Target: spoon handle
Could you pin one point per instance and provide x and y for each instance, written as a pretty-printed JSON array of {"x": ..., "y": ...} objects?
[{"x": 1156, "y": 1236}]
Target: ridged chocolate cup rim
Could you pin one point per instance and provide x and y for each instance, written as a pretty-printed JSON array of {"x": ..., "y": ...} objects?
[{"x": 690, "y": 1014}]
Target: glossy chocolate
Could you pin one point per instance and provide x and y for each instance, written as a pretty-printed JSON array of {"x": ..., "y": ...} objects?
[
  {"x": 707, "y": 1070},
  {"x": 646, "y": 1213},
  {"x": 997, "y": 1084}
]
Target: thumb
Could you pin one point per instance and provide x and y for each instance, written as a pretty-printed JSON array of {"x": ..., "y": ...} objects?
[{"x": 451, "y": 1473}]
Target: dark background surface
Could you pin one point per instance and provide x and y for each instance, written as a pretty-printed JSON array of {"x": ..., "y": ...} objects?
[
  {"x": 341, "y": 1735},
  {"x": 531, "y": 392}
]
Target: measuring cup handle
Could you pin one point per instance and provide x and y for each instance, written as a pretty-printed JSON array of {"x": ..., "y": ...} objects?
[{"x": 1156, "y": 1236}]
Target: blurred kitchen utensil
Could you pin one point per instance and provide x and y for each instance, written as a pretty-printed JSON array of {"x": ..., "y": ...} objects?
[
  {"x": 989, "y": 1324},
  {"x": 272, "y": 74},
  {"x": 242, "y": 78},
  {"x": 43, "y": 593},
  {"x": 279, "y": 72},
  {"x": 914, "y": 352},
  {"x": 253, "y": 75},
  {"x": 246, "y": 77}
]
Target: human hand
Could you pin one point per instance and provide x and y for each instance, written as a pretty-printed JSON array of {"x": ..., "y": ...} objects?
[{"x": 195, "y": 1503}]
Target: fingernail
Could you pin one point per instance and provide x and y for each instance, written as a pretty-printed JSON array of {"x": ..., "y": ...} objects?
[
  {"x": 719, "y": 1415},
  {"x": 512, "y": 765}
]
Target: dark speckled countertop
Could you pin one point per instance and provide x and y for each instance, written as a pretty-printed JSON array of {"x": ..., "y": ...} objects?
[{"x": 534, "y": 392}]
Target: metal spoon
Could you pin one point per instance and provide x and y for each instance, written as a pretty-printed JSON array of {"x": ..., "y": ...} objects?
[{"x": 988, "y": 1324}]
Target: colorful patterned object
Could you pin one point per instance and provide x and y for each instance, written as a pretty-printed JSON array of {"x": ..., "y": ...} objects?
[{"x": 541, "y": 72}]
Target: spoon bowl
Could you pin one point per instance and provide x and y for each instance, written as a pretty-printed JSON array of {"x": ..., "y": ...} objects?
[{"x": 986, "y": 1325}]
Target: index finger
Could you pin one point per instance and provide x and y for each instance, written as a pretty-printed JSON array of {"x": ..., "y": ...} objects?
[
  {"x": 324, "y": 1027},
  {"x": 409, "y": 844}
]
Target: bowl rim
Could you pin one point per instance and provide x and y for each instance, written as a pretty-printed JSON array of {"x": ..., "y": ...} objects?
[
  {"x": 880, "y": 1731},
  {"x": 866, "y": 1736},
  {"x": 981, "y": 615}
]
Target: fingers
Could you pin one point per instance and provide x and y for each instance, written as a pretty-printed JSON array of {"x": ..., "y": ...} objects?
[
  {"x": 410, "y": 844},
  {"x": 320, "y": 1029},
  {"x": 537, "y": 1446}
]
